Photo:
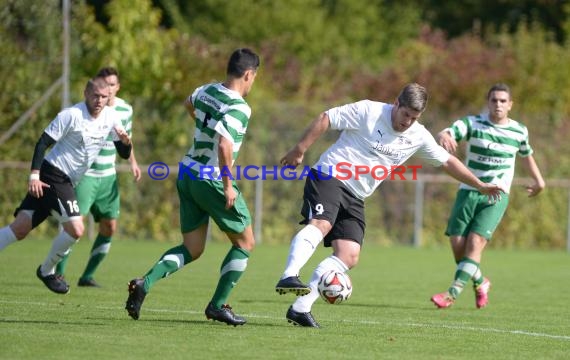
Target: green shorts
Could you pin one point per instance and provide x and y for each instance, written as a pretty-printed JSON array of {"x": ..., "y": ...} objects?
[
  {"x": 202, "y": 199},
  {"x": 472, "y": 212},
  {"x": 98, "y": 196}
]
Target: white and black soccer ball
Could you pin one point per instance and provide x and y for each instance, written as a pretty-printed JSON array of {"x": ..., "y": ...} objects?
[{"x": 335, "y": 287}]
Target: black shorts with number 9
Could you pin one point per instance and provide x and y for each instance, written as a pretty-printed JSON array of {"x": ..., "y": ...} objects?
[
  {"x": 326, "y": 198},
  {"x": 58, "y": 200}
]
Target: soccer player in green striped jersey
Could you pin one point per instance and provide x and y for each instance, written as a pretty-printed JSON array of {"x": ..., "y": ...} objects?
[
  {"x": 98, "y": 191},
  {"x": 493, "y": 141},
  {"x": 221, "y": 117}
]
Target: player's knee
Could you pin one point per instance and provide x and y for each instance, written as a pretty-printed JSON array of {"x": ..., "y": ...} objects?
[
  {"x": 348, "y": 256},
  {"x": 323, "y": 225},
  {"x": 76, "y": 233},
  {"x": 20, "y": 230},
  {"x": 74, "y": 229},
  {"x": 247, "y": 243},
  {"x": 249, "y": 246},
  {"x": 196, "y": 253},
  {"x": 108, "y": 227},
  {"x": 22, "y": 225},
  {"x": 244, "y": 240},
  {"x": 353, "y": 261}
]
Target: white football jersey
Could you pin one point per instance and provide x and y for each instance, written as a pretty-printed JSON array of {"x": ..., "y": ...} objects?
[
  {"x": 104, "y": 164},
  {"x": 79, "y": 138},
  {"x": 368, "y": 140}
]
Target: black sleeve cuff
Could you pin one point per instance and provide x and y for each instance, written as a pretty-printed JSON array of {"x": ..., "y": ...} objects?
[{"x": 123, "y": 150}]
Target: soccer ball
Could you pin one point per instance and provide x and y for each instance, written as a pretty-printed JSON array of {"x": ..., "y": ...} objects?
[{"x": 335, "y": 287}]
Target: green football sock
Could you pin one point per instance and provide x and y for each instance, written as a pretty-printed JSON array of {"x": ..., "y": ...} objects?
[
  {"x": 477, "y": 277},
  {"x": 232, "y": 268},
  {"x": 99, "y": 250},
  {"x": 171, "y": 261},
  {"x": 62, "y": 264},
  {"x": 465, "y": 270}
]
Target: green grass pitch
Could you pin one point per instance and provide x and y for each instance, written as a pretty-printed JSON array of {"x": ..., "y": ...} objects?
[{"x": 389, "y": 315}]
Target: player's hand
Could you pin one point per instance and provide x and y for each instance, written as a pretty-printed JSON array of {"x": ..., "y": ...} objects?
[
  {"x": 136, "y": 171},
  {"x": 446, "y": 141},
  {"x": 293, "y": 158},
  {"x": 122, "y": 134},
  {"x": 493, "y": 191},
  {"x": 231, "y": 197},
  {"x": 534, "y": 189},
  {"x": 36, "y": 188}
]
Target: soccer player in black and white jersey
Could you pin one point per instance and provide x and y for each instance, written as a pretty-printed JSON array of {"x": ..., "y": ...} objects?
[
  {"x": 77, "y": 135},
  {"x": 98, "y": 191},
  {"x": 372, "y": 134}
]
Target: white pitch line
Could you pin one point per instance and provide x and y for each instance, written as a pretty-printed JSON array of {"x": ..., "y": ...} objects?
[
  {"x": 363, "y": 322},
  {"x": 471, "y": 328}
]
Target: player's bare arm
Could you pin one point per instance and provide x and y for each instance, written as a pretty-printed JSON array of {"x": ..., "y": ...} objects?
[
  {"x": 225, "y": 153},
  {"x": 457, "y": 170},
  {"x": 135, "y": 169},
  {"x": 532, "y": 169},
  {"x": 318, "y": 127}
]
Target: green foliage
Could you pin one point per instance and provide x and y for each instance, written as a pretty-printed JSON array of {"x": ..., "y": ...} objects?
[
  {"x": 31, "y": 63},
  {"x": 542, "y": 93},
  {"x": 489, "y": 16}
]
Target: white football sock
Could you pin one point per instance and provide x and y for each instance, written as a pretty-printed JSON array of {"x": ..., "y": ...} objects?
[
  {"x": 303, "y": 245},
  {"x": 60, "y": 247},
  {"x": 6, "y": 237},
  {"x": 304, "y": 303},
  {"x": 478, "y": 274}
]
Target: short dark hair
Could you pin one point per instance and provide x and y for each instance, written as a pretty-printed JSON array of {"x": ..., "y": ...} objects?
[
  {"x": 98, "y": 82},
  {"x": 107, "y": 71},
  {"x": 241, "y": 60},
  {"x": 499, "y": 87},
  {"x": 413, "y": 96}
]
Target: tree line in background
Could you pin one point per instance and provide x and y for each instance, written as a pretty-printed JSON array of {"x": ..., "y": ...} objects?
[{"x": 315, "y": 54}]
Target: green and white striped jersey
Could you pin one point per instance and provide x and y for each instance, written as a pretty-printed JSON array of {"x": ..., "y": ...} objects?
[
  {"x": 491, "y": 148},
  {"x": 218, "y": 111},
  {"x": 104, "y": 164}
]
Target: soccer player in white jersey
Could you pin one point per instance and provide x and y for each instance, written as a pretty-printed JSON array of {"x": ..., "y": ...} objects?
[
  {"x": 78, "y": 133},
  {"x": 372, "y": 134},
  {"x": 221, "y": 117},
  {"x": 493, "y": 142},
  {"x": 98, "y": 191}
]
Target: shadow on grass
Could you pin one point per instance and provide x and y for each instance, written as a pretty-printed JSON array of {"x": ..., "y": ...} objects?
[
  {"x": 51, "y": 322},
  {"x": 171, "y": 321},
  {"x": 290, "y": 300}
]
